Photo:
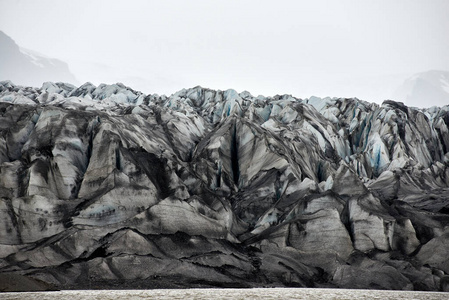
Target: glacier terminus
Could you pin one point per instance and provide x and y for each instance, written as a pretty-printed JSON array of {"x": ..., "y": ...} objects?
[{"x": 107, "y": 187}]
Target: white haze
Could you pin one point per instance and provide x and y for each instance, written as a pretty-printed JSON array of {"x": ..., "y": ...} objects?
[{"x": 344, "y": 48}]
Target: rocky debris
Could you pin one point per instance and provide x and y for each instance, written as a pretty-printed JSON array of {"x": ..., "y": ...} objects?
[
  {"x": 106, "y": 187},
  {"x": 433, "y": 253},
  {"x": 18, "y": 283},
  {"x": 370, "y": 274}
]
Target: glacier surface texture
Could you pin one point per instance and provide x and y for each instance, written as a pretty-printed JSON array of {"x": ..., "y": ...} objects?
[{"x": 104, "y": 187}]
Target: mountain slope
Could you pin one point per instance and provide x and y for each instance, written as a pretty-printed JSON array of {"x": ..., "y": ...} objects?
[
  {"x": 105, "y": 185},
  {"x": 424, "y": 88},
  {"x": 29, "y": 68}
]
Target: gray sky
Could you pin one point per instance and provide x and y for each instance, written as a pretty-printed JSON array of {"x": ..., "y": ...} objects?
[{"x": 325, "y": 48}]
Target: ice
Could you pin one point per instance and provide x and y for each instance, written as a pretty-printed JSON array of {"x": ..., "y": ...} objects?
[
  {"x": 317, "y": 134},
  {"x": 379, "y": 157},
  {"x": 318, "y": 103},
  {"x": 231, "y": 95},
  {"x": 264, "y": 112},
  {"x": 330, "y": 114},
  {"x": 271, "y": 173},
  {"x": 17, "y": 99},
  {"x": 271, "y": 125},
  {"x": 276, "y": 109},
  {"x": 268, "y": 219},
  {"x": 288, "y": 115}
]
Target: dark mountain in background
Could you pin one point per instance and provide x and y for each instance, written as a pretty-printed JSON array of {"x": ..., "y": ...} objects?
[
  {"x": 26, "y": 67},
  {"x": 103, "y": 186},
  {"x": 425, "y": 89}
]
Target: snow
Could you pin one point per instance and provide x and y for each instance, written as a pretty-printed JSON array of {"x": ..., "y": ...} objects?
[
  {"x": 34, "y": 58},
  {"x": 444, "y": 80}
]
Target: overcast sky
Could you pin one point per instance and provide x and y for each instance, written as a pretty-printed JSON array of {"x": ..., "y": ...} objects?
[{"x": 324, "y": 48}]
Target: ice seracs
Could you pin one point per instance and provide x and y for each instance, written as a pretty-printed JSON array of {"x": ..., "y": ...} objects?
[{"x": 104, "y": 184}]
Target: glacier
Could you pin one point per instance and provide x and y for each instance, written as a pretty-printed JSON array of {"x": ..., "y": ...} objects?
[{"x": 104, "y": 186}]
